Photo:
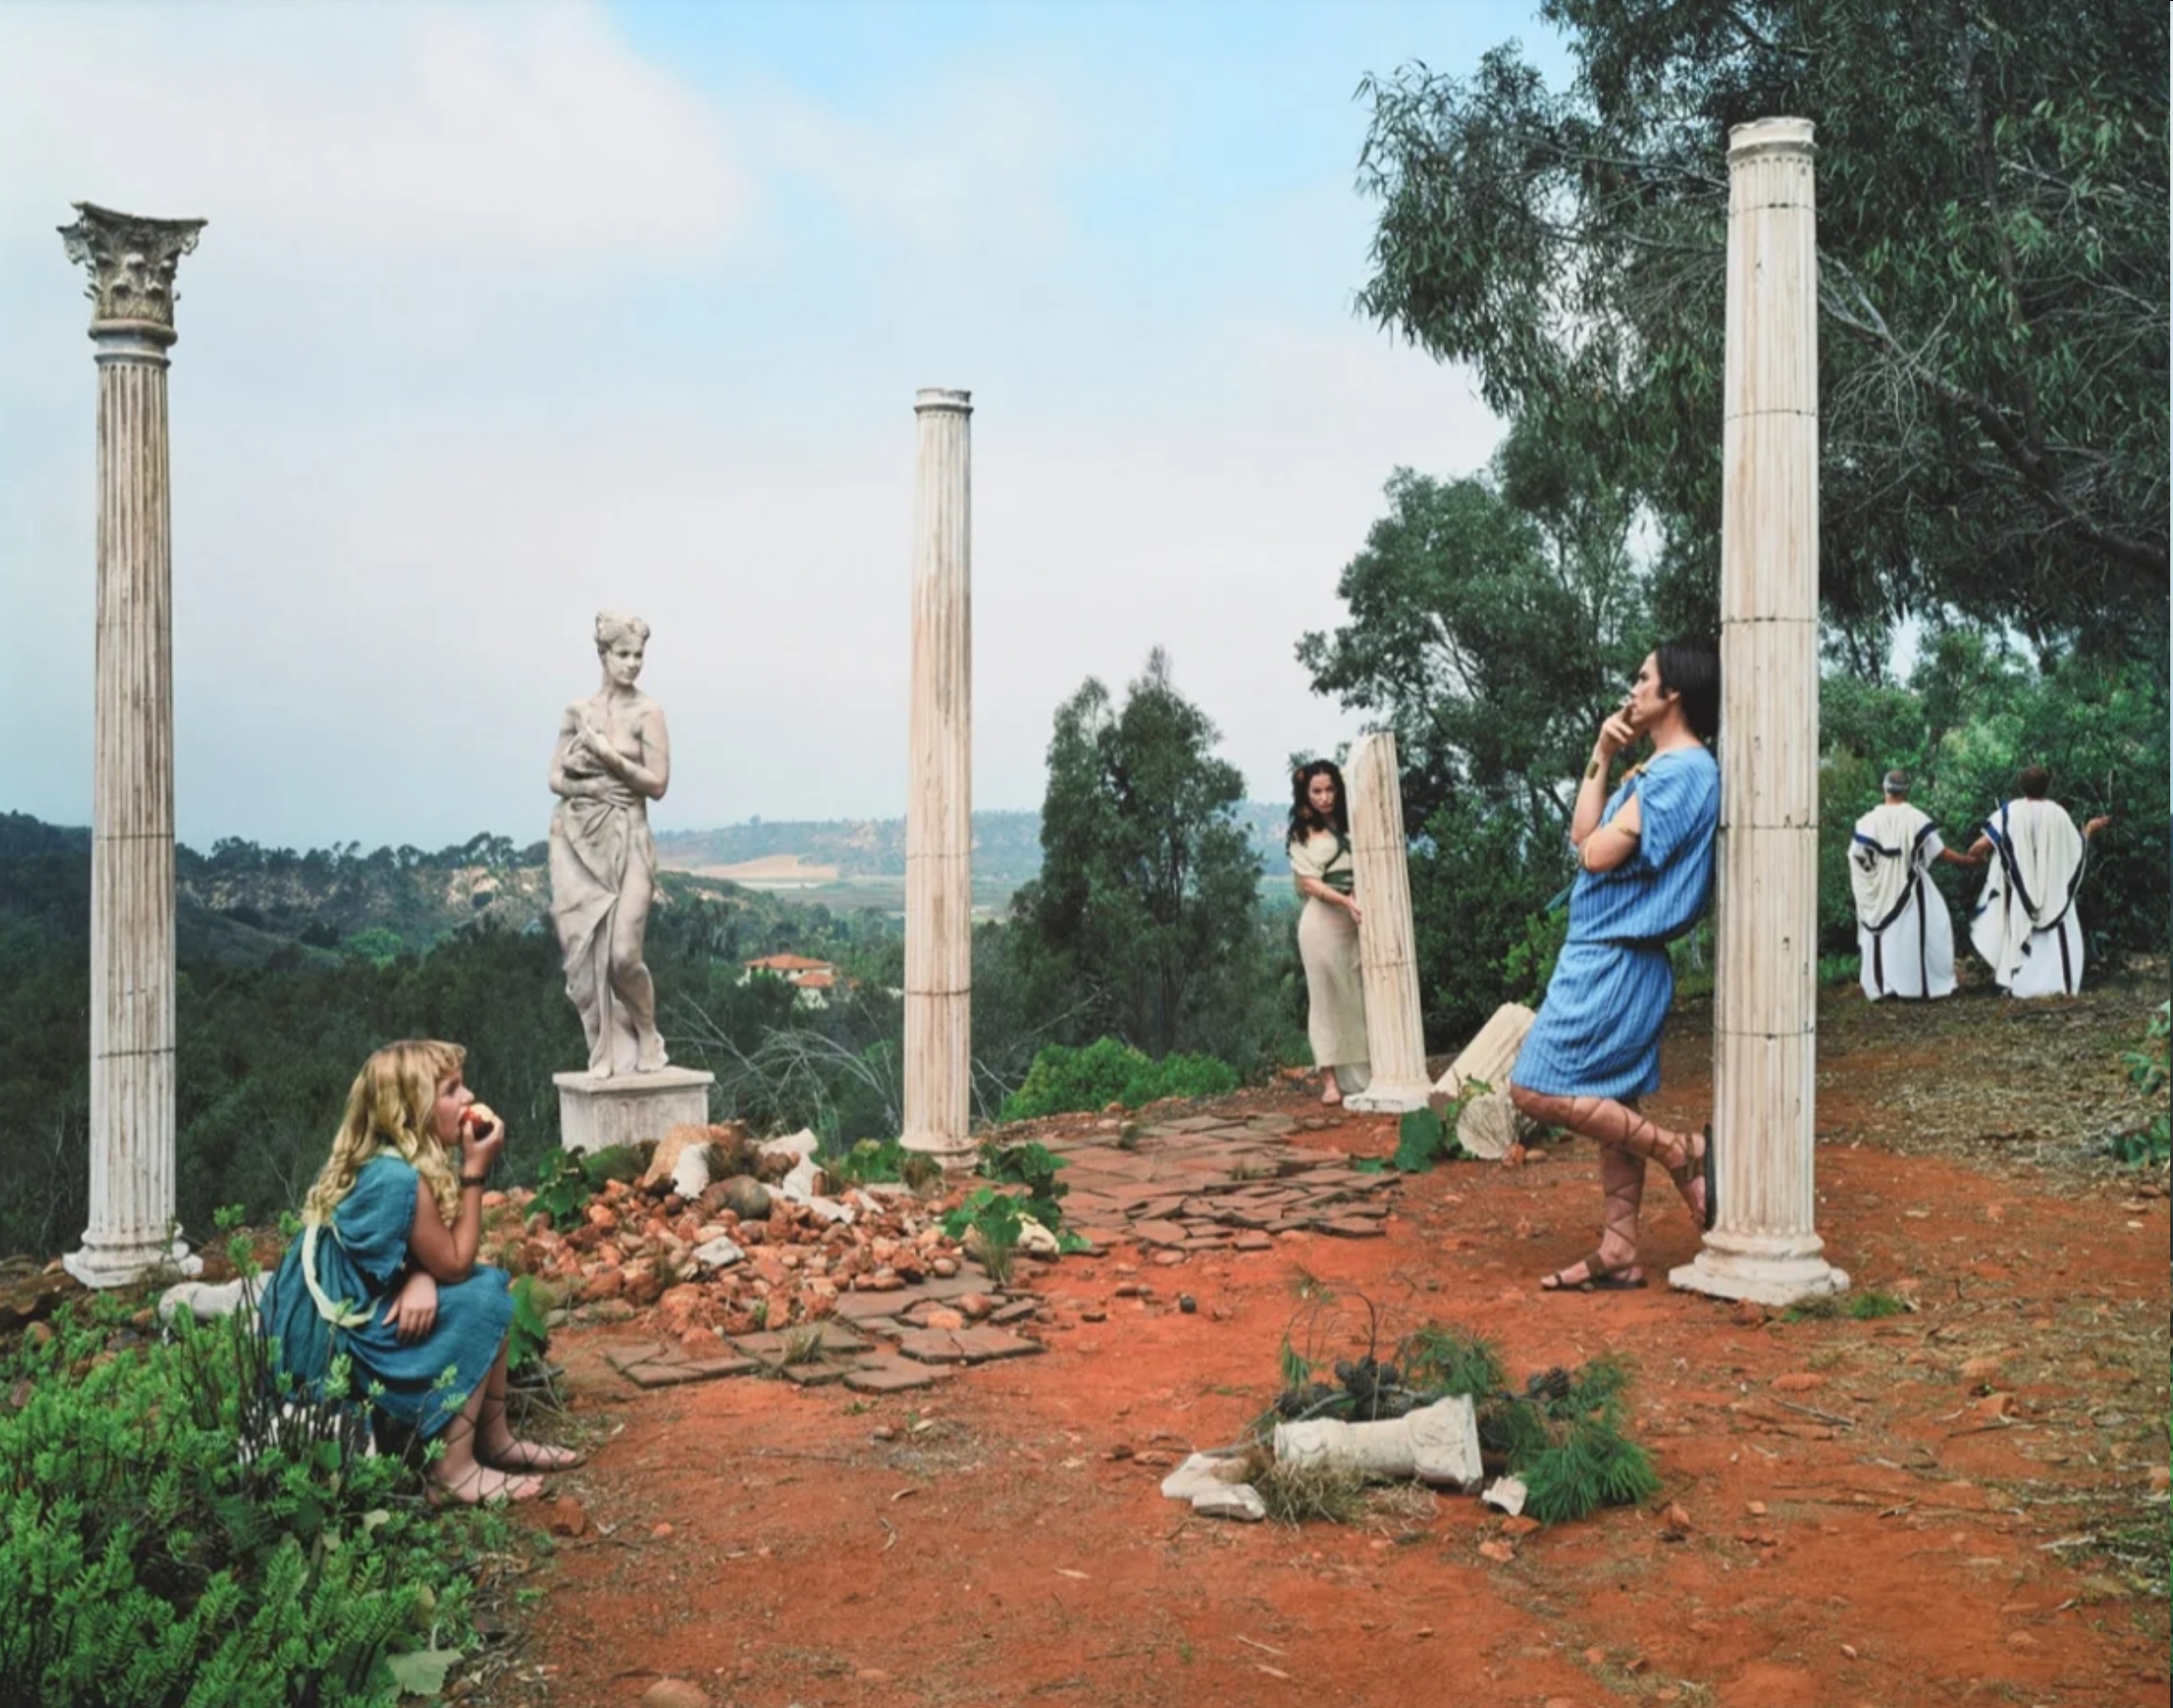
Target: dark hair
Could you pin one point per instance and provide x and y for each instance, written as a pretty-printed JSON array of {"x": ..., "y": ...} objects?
[
  {"x": 1303, "y": 821},
  {"x": 2035, "y": 781},
  {"x": 1692, "y": 668}
]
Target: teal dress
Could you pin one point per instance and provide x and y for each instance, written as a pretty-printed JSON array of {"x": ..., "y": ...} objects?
[{"x": 361, "y": 1259}]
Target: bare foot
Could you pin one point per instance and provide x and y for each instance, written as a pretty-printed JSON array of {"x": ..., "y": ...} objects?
[
  {"x": 532, "y": 1456},
  {"x": 480, "y": 1484},
  {"x": 1333, "y": 1096}
]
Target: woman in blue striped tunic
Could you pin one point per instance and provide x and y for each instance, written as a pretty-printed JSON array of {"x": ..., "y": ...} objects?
[{"x": 1645, "y": 858}]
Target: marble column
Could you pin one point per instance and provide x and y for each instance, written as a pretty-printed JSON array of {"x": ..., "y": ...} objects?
[
  {"x": 1395, "y": 1042},
  {"x": 1763, "y": 1246},
  {"x": 132, "y": 263},
  {"x": 939, "y": 781}
]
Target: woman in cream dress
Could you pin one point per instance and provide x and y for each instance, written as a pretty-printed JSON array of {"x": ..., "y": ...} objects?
[{"x": 1321, "y": 868}]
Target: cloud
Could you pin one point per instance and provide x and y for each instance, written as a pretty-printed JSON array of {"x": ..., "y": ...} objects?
[{"x": 503, "y": 135}]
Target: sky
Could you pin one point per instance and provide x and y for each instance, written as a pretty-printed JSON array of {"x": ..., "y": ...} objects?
[{"x": 509, "y": 313}]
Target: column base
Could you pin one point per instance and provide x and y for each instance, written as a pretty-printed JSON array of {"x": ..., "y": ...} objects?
[
  {"x": 1389, "y": 1097},
  {"x": 629, "y": 1108},
  {"x": 953, "y": 1150},
  {"x": 103, "y": 1264},
  {"x": 1772, "y": 1276}
]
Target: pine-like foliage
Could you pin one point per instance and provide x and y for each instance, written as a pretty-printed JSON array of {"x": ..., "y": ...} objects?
[{"x": 148, "y": 1561}]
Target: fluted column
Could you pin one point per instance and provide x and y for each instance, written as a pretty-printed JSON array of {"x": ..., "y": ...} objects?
[
  {"x": 939, "y": 802},
  {"x": 1395, "y": 1041},
  {"x": 1763, "y": 1246},
  {"x": 132, "y": 263}
]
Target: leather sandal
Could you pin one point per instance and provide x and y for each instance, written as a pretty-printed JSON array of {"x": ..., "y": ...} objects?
[{"x": 1600, "y": 1277}]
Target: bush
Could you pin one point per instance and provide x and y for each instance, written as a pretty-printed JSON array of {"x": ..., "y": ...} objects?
[
  {"x": 1063, "y": 1080},
  {"x": 145, "y": 1559}
]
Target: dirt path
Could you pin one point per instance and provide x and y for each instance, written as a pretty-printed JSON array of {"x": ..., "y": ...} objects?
[{"x": 1866, "y": 1523}]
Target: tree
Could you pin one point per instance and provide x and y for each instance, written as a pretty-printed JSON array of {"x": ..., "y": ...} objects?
[
  {"x": 1144, "y": 910},
  {"x": 1993, "y": 249},
  {"x": 1493, "y": 622}
]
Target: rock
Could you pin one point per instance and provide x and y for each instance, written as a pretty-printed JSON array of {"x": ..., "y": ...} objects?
[
  {"x": 1187, "y": 1304},
  {"x": 974, "y": 1306},
  {"x": 1980, "y": 1369},
  {"x": 2161, "y": 1479},
  {"x": 1524, "y": 1524},
  {"x": 675, "y": 1693},
  {"x": 206, "y": 1302},
  {"x": 1240, "y": 1501},
  {"x": 1798, "y": 1382},
  {"x": 945, "y": 1268},
  {"x": 676, "y": 1143},
  {"x": 690, "y": 1175},
  {"x": 1215, "y": 1487},
  {"x": 746, "y": 1198},
  {"x": 1501, "y": 1552},
  {"x": 1504, "y": 1494},
  {"x": 1748, "y": 1313},
  {"x": 565, "y": 1517},
  {"x": 718, "y": 1253},
  {"x": 942, "y": 1317},
  {"x": 801, "y": 1146}
]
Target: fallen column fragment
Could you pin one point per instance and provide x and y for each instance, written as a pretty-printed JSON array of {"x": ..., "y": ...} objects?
[{"x": 1437, "y": 1443}]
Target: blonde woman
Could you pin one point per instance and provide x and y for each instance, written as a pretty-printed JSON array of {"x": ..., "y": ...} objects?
[
  {"x": 384, "y": 1278},
  {"x": 1321, "y": 869}
]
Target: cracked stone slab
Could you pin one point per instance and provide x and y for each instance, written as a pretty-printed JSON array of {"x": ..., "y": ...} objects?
[
  {"x": 665, "y": 1372},
  {"x": 964, "y": 1345},
  {"x": 888, "y": 1374},
  {"x": 835, "y": 1338}
]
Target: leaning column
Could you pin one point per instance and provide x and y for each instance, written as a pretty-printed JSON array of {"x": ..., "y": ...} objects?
[
  {"x": 1395, "y": 1042},
  {"x": 1763, "y": 1246},
  {"x": 940, "y": 802},
  {"x": 132, "y": 263}
]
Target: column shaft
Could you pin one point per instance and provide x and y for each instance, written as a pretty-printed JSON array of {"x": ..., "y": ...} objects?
[
  {"x": 938, "y": 1066},
  {"x": 132, "y": 1160},
  {"x": 1764, "y": 1245},
  {"x": 1395, "y": 1042}
]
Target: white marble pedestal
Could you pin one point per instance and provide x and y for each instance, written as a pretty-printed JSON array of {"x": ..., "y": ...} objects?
[{"x": 629, "y": 1108}]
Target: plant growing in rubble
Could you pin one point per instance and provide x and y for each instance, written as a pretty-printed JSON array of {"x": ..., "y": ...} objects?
[{"x": 994, "y": 1218}]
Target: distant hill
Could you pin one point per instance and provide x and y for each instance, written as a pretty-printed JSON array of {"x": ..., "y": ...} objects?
[
  {"x": 1007, "y": 846},
  {"x": 240, "y": 904}
]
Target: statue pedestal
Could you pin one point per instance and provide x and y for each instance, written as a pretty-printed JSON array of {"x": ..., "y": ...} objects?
[{"x": 629, "y": 1108}]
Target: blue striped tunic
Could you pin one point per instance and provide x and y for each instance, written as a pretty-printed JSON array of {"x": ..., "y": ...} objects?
[{"x": 1598, "y": 1032}]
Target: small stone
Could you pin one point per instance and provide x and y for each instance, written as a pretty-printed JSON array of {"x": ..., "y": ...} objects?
[
  {"x": 1187, "y": 1304},
  {"x": 2161, "y": 1479},
  {"x": 1170, "y": 1259},
  {"x": 660, "y": 1531},
  {"x": 1994, "y": 1406},
  {"x": 942, "y": 1317},
  {"x": 943, "y": 1267},
  {"x": 872, "y": 1675},
  {"x": 1092, "y": 1315},
  {"x": 1755, "y": 1508},
  {"x": 675, "y": 1693},
  {"x": 974, "y": 1306},
  {"x": 1979, "y": 1368},
  {"x": 1748, "y": 1313},
  {"x": 1501, "y": 1552},
  {"x": 1798, "y": 1382},
  {"x": 565, "y": 1517},
  {"x": 1524, "y": 1524},
  {"x": 1596, "y": 1657}
]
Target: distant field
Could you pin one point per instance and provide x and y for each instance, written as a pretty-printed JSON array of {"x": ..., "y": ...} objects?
[{"x": 771, "y": 872}]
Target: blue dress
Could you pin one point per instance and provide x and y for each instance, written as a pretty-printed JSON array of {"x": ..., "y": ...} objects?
[
  {"x": 361, "y": 1259},
  {"x": 1598, "y": 1032}
]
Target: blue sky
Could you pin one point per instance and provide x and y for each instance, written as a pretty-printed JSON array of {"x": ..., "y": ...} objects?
[{"x": 509, "y": 312}]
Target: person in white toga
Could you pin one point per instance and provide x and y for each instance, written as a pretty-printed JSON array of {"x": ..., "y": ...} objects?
[
  {"x": 1902, "y": 925},
  {"x": 2026, "y": 925}
]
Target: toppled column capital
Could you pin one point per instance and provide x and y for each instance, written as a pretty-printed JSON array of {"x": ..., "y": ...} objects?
[{"x": 132, "y": 262}]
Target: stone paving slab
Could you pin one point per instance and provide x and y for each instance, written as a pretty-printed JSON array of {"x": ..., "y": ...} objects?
[
  {"x": 888, "y": 1374},
  {"x": 964, "y": 1345},
  {"x": 662, "y": 1366}
]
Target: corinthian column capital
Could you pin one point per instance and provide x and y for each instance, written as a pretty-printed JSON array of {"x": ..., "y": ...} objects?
[{"x": 132, "y": 262}]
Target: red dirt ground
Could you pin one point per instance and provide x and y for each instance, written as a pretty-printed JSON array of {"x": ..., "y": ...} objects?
[{"x": 1872, "y": 1528}]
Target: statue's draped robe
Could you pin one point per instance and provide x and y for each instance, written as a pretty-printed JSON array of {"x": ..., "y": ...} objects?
[{"x": 595, "y": 841}]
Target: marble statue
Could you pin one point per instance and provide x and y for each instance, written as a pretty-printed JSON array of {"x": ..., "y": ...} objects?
[{"x": 612, "y": 758}]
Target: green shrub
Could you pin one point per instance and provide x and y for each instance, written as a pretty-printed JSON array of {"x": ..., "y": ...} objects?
[
  {"x": 1063, "y": 1080},
  {"x": 147, "y": 1559},
  {"x": 2152, "y": 1142},
  {"x": 1530, "y": 961}
]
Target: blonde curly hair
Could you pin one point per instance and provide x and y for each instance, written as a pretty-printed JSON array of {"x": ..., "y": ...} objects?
[{"x": 388, "y": 1108}]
